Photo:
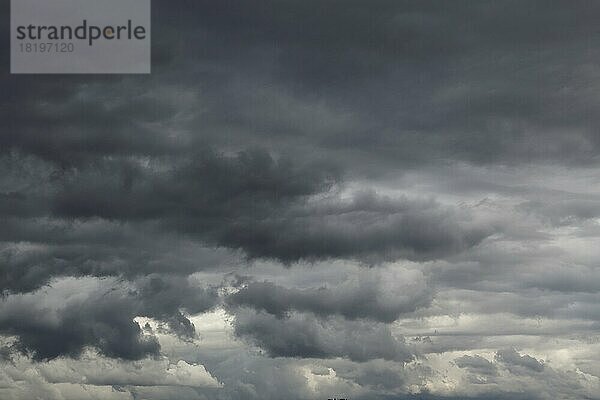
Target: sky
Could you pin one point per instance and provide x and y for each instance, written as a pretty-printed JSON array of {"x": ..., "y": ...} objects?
[{"x": 382, "y": 200}]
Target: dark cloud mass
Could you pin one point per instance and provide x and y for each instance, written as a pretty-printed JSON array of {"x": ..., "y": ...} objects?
[
  {"x": 309, "y": 200},
  {"x": 91, "y": 321},
  {"x": 370, "y": 297},
  {"x": 306, "y": 337},
  {"x": 59, "y": 321}
]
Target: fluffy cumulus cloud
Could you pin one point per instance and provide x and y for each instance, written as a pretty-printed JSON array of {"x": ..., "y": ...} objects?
[{"x": 310, "y": 200}]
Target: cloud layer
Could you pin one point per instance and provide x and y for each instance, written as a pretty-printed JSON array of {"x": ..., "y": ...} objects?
[{"x": 310, "y": 200}]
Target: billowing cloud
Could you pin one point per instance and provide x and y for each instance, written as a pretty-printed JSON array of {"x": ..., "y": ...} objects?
[
  {"x": 310, "y": 200},
  {"x": 74, "y": 314},
  {"x": 380, "y": 295},
  {"x": 305, "y": 336},
  {"x": 512, "y": 358}
]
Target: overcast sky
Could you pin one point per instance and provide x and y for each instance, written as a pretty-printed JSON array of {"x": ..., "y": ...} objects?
[{"x": 373, "y": 200}]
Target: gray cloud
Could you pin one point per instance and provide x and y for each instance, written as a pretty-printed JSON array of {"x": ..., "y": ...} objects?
[
  {"x": 304, "y": 336},
  {"x": 59, "y": 321},
  {"x": 399, "y": 170},
  {"x": 47, "y": 333},
  {"x": 265, "y": 207},
  {"x": 376, "y": 295},
  {"x": 512, "y": 358},
  {"x": 476, "y": 364}
]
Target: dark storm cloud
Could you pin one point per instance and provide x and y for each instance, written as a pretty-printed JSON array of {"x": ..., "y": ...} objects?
[
  {"x": 348, "y": 90},
  {"x": 38, "y": 249},
  {"x": 389, "y": 229},
  {"x": 164, "y": 297},
  {"x": 79, "y": 124},
  {"x": 422, "y": 83},
  {"x": 478, "y": 82},
  {"x": 74, "y": 325},
  {"x": 209, "y": 186},
  {"x": 59, "y": 321},
  {"x": 367, "y": 300},
  {"x": 304, "y": 336},
  {"x": 260, "y": 205},
  {"x": 154, "y": 178},
  {"x": 250, "y": 201}
]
